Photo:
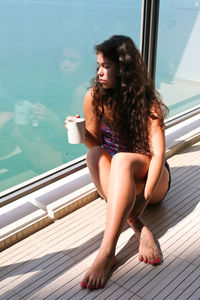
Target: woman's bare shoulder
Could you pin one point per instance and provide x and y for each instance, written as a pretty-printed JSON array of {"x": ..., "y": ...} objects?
[
  {"x": 88, "y": 101},
  {"x": 89, "y": 95},
  {"x": 88, "y": 107}
]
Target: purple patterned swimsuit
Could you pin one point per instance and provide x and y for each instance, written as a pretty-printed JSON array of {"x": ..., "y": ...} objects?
[
  {"x": 112, "y": 145},
  {"x": 111, "y": 141}
]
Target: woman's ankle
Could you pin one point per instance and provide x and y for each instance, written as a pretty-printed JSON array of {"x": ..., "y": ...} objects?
[
  {"x": 137, "y": 225},
  {"x": 107, "y": 249}
]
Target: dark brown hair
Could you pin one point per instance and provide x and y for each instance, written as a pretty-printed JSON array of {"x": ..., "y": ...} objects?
[{"x": 134, "y": 100}]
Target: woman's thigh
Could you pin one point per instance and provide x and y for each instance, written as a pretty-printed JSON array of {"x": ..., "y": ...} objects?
[{"x": 99, "y": 163}]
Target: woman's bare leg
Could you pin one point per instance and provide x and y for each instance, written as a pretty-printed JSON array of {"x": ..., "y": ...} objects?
[
  {"x": 121, "y": 194},
  {"x": 148, "y": 250},
  {"x": 99, "y": 162}
]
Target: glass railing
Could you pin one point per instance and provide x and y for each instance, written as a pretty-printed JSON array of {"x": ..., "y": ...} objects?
[
  {"x": 178, "y": 63},
  {"x": 46, "y": 63}
]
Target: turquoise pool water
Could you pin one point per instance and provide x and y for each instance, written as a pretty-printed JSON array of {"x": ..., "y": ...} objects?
[{"x": 47, "y": 60}]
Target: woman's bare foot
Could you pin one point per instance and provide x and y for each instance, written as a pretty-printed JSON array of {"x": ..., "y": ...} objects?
[
  {"x": 98, "y": 273},
  {"x": 148, "y": 250}
]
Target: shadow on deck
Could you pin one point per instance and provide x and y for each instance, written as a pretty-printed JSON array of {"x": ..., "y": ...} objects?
[{"x": 50, "y": 263}]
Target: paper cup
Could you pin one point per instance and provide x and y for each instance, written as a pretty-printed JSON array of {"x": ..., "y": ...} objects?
[
  {"x": 22, "y": 112},
  {"x": 76, "y": 130}
]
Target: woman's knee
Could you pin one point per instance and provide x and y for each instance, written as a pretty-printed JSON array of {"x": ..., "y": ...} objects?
[
  {"x": 123, "y": 160},
  {"x": 136, "y": 163},
  {"x": 96, "y": 155}
]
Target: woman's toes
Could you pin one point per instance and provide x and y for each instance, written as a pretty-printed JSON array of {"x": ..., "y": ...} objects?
[
  {"x": 102, "y": 285},
  {"x": 95, "y": 284},
  {"x": 140, "y": 258},
  {"x": 145, "y": 259},
  {"x": 157, "y": 260},
  {"x": 154, "y": 260},
  {"x": 84, "y": 282},
  {"x": 98, "y": 284},
  {"x": 150, "y": 260},
  {"x": 83, "y": 285},
  {"x": 91, "y": 284}
]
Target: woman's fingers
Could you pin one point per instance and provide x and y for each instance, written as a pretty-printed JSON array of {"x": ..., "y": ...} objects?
[{"x": 71, "y": 118}]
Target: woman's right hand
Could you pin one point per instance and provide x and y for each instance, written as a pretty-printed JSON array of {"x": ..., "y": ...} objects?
[
  {"x": 66, "y": 121},
  {"x": 70, "y": 118}
]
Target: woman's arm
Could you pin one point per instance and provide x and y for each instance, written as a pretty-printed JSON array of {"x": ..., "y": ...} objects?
[
  {"x": 93, "y": 130},
  {"x": 157, "y": 144}
]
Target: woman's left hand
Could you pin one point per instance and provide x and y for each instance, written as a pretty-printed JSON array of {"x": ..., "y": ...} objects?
[{"x": 140, "y": 205}]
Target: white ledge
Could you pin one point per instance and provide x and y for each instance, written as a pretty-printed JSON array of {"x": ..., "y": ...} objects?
[
  {"x": 182, "y": 133},
  {"x": 44, "y": 203}
]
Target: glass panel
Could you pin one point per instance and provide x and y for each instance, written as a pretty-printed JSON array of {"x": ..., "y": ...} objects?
[
  {"x": 46, "y": 63},
  {"x": 178, "y": 62}
]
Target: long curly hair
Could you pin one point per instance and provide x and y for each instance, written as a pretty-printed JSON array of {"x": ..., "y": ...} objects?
[{"x": 133, "y": 100}]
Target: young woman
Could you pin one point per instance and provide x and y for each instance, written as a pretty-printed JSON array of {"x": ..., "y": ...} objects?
[{"x": 126, "y": 157}]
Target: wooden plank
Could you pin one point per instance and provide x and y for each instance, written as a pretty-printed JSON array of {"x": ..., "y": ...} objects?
[
  {"x": 167, "y": 286},
  {"x": 185, "y": 285},
  {"x": 18, "y": 248},
  {"x": 46, "y": 242}
]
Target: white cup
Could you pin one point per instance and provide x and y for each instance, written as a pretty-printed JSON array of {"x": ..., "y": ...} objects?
[
  {"x": 76, "y": 130},
  {"x": 23, "y": 112}
]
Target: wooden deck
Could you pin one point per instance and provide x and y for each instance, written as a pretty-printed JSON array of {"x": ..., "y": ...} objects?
[{"x": 50, "y": 263}]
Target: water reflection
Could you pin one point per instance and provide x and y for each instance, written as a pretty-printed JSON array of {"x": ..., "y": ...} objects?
[
  {"x": 71, "y": 62},
  {"x": 32, "y": 137}
]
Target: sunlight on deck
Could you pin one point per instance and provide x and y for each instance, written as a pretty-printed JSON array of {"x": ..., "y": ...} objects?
[{"x": 50, "y": 263}]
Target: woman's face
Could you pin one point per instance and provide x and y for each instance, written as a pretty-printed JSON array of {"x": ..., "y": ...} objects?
[{"x": 106, "y": 71}]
